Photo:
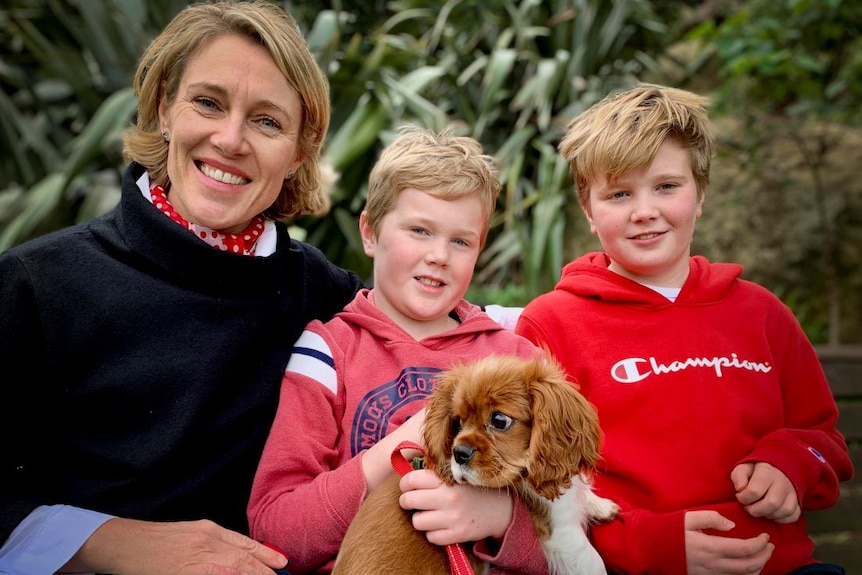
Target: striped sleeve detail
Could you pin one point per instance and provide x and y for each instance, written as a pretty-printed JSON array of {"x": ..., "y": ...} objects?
[{"x": 312, "y": 358}]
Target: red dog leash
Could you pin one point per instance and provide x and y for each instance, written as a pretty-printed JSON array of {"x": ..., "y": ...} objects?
[{"x": 457, "y": 556}]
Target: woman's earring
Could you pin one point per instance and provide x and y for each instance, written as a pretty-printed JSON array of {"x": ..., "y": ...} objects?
[
  {"x": 165, "y": 136},
  {"x": 289, "y": 174}
]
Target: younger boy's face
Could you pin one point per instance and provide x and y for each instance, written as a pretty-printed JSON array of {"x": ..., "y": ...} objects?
[
  {"x": 645, "y": 220},
  {"x": 424, "y": 254}
]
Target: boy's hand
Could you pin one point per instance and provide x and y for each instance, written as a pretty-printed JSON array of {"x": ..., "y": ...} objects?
[
  {"x": 454, "y": 514},
  {"x": 765, "y": 492},
  {"x": 714, "y": 554},
  {"x": 376, "y": 464}
]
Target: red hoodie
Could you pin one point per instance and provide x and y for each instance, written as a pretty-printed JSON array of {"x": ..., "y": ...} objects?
[
  {"x": 350, "y": 382},
  {"x": 685, "y": 391}
]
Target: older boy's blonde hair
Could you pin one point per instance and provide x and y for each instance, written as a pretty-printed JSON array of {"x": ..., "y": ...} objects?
[
  {"x": 441, "y": 164},
  {"x": 624, "y": 131},
  {"x": 266, "y": 24}
]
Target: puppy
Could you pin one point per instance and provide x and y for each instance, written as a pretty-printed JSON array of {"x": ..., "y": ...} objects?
[{"x": 498, "y": 422}]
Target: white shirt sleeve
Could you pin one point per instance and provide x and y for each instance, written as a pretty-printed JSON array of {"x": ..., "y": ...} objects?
[
  {"x": 505, "y": 316},
  {"x": 47, "y": 538}
]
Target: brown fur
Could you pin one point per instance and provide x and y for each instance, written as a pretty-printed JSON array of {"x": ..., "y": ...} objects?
[{"x": 381, "y": 539}]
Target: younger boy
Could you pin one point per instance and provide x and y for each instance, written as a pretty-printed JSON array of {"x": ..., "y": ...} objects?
[
  {"x": 353, "y": 380},
  {"x": 719, "y": 423}
]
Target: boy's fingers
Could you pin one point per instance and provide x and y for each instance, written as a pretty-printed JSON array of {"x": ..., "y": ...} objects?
[{"x": 700, "y": 520}]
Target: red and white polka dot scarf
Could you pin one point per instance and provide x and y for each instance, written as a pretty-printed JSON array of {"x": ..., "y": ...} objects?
[{"x": 241, "y": 243}]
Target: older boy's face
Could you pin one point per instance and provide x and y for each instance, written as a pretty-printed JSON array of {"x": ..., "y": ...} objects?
[
  {"x": 424, "y": 255},
  {"x": 645, "y": 220}
]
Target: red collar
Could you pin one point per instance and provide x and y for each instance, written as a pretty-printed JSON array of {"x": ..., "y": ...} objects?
[{"x": 240, "y": 243}]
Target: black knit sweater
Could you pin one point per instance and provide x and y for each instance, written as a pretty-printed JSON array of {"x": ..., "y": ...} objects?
[{"x": 140, "y": 367}]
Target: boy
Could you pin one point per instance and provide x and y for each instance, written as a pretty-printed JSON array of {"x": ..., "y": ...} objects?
[
  {"x": 351, "y": 381},
  {"x": 719, "y": 423}
]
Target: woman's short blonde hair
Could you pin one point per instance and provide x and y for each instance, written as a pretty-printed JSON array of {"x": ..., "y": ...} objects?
[
  {"x": 164, "y": 62},
  {"x": 624, "y": 131},
  {"x": 446, "y": 166}
]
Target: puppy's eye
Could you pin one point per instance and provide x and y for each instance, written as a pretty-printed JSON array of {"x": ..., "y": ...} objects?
[
  {"x": 501, "y": 421},
  {"x": 454, "y": 426}
]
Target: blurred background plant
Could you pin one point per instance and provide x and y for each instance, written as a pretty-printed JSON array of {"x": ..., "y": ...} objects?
[{"x": 784, "y": 76}]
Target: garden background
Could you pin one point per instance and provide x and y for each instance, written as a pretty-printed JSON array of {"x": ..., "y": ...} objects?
[{"x": 784, "y": 76}]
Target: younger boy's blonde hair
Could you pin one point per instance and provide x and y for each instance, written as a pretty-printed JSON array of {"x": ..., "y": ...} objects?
[
  {"x": 624, "y": 131},
  {"x": 441, "y": 164}
]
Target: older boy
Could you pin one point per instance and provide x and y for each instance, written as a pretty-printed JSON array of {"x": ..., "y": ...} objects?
[
  {"x": 352, "y": 381},
  {"x": 719, "y": 423}
]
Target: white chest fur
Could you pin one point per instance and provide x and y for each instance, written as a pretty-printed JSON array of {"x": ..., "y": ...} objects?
[{"x": 568, "y": 549}]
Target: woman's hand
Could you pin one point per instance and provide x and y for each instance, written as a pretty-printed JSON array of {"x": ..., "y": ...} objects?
[{"x": 183, "y": 548}]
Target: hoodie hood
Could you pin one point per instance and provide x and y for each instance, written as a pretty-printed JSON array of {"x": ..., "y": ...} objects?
[
  {"x": 362, "y": 313},
  {"x": 589, "y": 276}
]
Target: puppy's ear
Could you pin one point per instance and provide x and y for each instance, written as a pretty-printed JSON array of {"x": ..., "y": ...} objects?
[
  {"x": 437, "y": 429},
  {"x": 566, "y": 436}
]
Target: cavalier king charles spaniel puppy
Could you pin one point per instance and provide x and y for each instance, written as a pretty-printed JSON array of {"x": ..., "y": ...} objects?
[{"x": 498, "y": 422}]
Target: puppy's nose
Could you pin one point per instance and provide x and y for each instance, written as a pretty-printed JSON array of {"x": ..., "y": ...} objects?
[{"x": 463, "y": 453}]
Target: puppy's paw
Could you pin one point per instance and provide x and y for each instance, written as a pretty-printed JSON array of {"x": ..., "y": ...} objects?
[{"x": 601, "y": 510}]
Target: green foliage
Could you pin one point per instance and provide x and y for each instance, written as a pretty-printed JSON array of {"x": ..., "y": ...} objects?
[
  {"x": 509, "y": 74},
  {"x": 803, "y": 57},
  {"x": 791, "y": 71},
  {"x": 65, "y": 70},
  {"x": 512, "y": 295},
  {"x": 813, "y": 321}
]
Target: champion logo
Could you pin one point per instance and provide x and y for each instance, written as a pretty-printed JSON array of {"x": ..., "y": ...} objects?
[
  {"x": 635, "y": 369},
  {"x": 817, "y": 454}
]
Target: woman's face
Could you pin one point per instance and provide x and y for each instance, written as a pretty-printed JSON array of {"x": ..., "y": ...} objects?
[{"x": 234, "y": 134}]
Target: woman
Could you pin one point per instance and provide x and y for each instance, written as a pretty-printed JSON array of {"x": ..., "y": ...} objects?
[{"x": 144, "y": 350}]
